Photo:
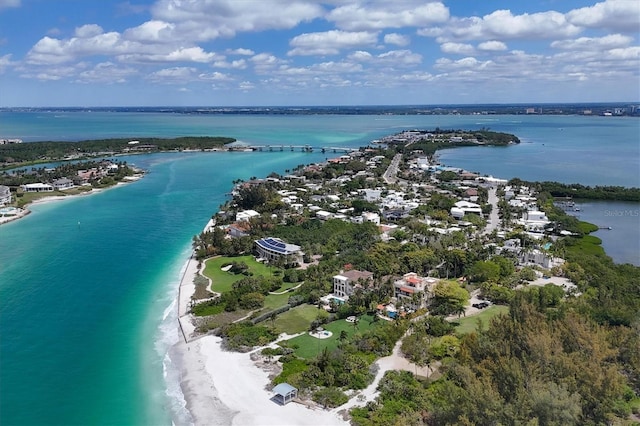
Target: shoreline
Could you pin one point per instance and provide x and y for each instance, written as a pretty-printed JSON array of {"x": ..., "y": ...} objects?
[
  {"x": 229, "y": 388},
  {"x": 25, "y": 211}
]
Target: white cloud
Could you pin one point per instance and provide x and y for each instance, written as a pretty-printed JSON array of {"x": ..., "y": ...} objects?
[
  {"x": 503, "y": 24},
  {"x": 399, "y": 58},
  {"x": 464, "y": 63},
  {"x": 370, "y": 15},
  {"x": 215, "y": 76},
  {"x": 152, "y": 31},
  {"x": 618, "y": 15},
  {"x": 492, "y": 46},
  {"x": 239, "y": 64},
  {"x": 5, "y": 62},
  {"x": 241, "y": 51},
  {"x": 397, "y": 39},
  {"x": 593, "y": 43},
  {"x": 265, "y": 62},
  {"x": 360, "y": 56},
  {"x": 188, "y": 54},
  {"x": 89, "y": 30},
  {"x": 330, "y": 42},
  {"x": 210, "y": 19},
  {"x": 177, "y": 75},
  {"x": 54, "y": 51},
  {"x": 457, "y": 48}
]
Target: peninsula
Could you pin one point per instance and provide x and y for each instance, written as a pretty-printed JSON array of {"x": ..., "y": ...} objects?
[{"x": 382, "y": 286}]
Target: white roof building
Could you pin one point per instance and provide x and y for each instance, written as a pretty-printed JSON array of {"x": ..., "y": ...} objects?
[
  {"x": 246, "y": 215},
  {"x": 461, "y": 208}
]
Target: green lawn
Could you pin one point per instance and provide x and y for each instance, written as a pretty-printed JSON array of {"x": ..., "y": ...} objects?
[
  {"x": 297, "y": 319},
  {"x": 275, "y": 301},
  {"x": 470, "y": 323},
  {"x": 308, "y": 347},
  {"x": 222, "y": 281}
]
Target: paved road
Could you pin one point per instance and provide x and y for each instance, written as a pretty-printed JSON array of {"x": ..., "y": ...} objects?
[
  {"x": 390, "y": 176},
  {"x": 494, "y": 219}
]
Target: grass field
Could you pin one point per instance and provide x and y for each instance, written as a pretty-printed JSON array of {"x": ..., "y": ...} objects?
[
  {"x": 469, "y": 324},
  {"x": 222, "y": 281},
  {"x": 297, "y": 319},
  {"x": 308, "y": 347},
  {"x": 275, "y": 301}
]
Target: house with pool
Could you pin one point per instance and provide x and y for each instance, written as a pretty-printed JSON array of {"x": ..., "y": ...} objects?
[{"x": 413, "y": 290}]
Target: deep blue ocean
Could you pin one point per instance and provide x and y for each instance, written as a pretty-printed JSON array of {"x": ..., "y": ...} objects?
[{"x": 87, "y": 285}]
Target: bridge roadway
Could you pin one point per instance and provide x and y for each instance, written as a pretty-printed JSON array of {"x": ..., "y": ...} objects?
[{"x": 303, "y": 148}]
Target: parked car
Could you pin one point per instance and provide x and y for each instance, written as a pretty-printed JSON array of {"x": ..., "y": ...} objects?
[{"x": 481, "y": 305}]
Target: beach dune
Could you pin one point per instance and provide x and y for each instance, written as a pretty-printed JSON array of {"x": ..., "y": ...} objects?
[{"x": 223, "y": 388}]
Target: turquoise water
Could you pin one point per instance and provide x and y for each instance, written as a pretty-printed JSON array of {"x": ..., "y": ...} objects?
[
  {"x": 87, "y": 284},
  {"x": 570, "y": 149}
]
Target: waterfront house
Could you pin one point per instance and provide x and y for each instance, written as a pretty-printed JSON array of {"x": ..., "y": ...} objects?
[
  {"x": 246, "y": 215},
  {"x": 5, "y": 195},
  {"x": 274, "y": 249},
  {"x": 345, "y": 283},
  {"x": 62, "y": 184},
  {"x": 239, "y": 229},
  {"x": 37, "y": 187}
]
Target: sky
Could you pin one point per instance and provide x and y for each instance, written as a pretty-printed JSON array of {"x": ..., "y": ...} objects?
[{"x": 306, "y": 52}]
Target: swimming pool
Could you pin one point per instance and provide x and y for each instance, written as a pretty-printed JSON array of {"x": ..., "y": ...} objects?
[{"x": 8, "y": 211}]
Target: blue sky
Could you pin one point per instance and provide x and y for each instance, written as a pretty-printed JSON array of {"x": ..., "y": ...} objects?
[{"x": 305, "y": 52}]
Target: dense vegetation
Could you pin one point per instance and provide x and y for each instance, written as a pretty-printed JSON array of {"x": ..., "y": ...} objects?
[
  {"x": 14, "y": 154},
  {"x": 348, "y": 367},
  {"x": 551, "y": 361},
  {"x": 528, "y": 367},
  {"x": 68, "y": 170},
  {"x": 482, "y": 136},
  {"x": 578, "y": 191},
  {"x": 548, "y": 357}
]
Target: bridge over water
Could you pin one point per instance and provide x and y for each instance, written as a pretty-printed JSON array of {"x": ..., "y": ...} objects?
[{"x": 303, "y": 148}]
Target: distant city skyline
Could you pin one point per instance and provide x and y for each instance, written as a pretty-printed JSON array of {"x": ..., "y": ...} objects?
[{"x": 334, "y": 52}]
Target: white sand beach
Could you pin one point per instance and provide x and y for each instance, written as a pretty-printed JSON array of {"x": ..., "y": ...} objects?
[{"x": 228, "y": 388}]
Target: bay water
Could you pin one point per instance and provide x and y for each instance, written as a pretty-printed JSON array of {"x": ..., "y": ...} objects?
[{"x": 88, "y": 285}]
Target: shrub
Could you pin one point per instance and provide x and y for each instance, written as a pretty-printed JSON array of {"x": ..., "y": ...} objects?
[
  {"x": 330, "y": 397},
  {"x": 251, "y": 301}
]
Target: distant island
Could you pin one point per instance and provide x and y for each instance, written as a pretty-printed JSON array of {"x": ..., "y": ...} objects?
[
  {"x": 17, "y": 154},
  {"x": 631, "y": 108}
]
